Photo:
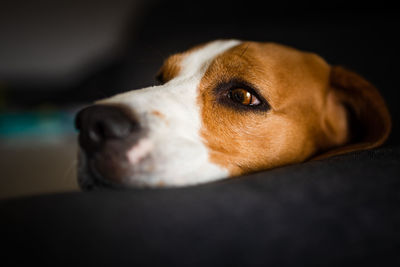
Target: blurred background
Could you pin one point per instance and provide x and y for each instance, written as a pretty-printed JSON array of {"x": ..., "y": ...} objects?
[{"x": 58, "y": 56}]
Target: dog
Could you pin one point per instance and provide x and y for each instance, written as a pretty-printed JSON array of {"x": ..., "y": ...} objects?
[{"x": 224, "y": 109}]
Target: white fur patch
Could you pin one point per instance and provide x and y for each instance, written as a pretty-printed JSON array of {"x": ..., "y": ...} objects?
[{"x": 173, "y": 152}]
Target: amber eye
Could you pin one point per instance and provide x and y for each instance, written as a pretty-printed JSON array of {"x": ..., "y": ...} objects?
[{"x": 243, "y": 97}]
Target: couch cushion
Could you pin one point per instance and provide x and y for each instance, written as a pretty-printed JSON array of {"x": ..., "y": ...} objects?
[{"x": 343, "y": 209}]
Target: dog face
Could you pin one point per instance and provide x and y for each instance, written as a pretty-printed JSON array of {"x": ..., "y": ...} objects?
[{"x": 224, "y": 109}]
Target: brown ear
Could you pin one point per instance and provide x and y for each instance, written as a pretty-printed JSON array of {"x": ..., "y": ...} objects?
[{"x": 366, "y": 115}]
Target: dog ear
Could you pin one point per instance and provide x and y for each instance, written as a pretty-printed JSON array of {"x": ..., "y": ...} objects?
[{"x": 356, "y": 115}]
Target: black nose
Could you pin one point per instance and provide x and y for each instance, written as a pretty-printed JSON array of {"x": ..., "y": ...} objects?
[{"x": 100, "y": 123}]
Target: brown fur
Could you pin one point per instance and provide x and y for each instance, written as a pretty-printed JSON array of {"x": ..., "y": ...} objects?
[
  {"x": 368, "y": 117},
  {"x": 307, "y": 114},
  {"x": 170, "y": 68},
  {"x": 311, "y": 108},
  {"x": 158, "y": 114}
]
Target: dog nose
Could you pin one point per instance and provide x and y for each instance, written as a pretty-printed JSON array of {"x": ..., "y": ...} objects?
[{"x": 100, "y": 123}]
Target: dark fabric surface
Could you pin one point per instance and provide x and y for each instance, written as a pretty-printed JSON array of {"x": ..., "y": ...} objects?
[{"x": 330, "y": 212}]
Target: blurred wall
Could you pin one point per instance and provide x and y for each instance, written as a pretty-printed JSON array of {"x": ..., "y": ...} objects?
[{"x": 49, "y": 41}]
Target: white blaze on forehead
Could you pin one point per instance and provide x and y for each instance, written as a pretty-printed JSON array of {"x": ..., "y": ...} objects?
[
  {"x": 198, "y": 61},
  {"x": 174, "y": 152}
]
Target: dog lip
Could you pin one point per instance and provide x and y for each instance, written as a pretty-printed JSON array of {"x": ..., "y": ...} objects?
[{"x": 90, "y": 179}]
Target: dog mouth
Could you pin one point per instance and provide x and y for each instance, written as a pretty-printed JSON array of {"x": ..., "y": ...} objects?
[
  {"x": 88, "y": 177},
  {"x": 113, "y": 167},
  {"x": 91, "y": 180}
]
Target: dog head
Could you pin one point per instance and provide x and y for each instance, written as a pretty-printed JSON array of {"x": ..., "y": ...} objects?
[{"x": 228, "y": 108}]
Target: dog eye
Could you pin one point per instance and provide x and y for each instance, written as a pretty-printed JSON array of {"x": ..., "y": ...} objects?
[{"x": 243, "y": 97}]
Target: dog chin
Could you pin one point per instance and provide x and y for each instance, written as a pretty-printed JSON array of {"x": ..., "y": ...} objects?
[
  {"x": 142, "y": 168},
  {"x": 94, "y": 174},
  {"x": 89, "y": 178}
]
